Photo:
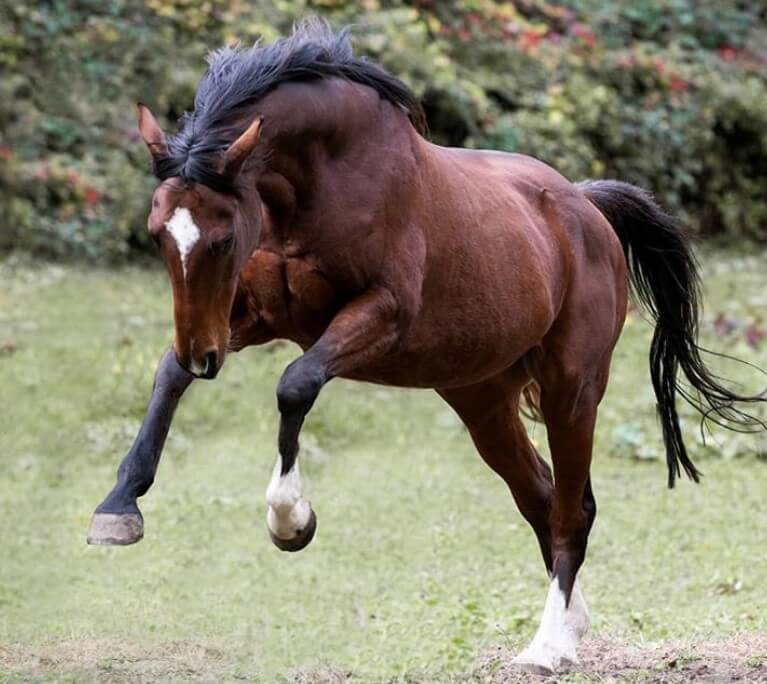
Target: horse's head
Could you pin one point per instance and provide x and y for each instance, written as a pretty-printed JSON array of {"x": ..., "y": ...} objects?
[{"x": 205, "y": 237}]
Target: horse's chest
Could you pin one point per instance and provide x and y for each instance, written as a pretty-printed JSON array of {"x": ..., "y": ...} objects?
[{"x": 289, "y": 296}]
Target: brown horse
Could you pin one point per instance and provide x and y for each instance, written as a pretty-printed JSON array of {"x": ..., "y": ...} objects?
[{"x": 299, "y": 200}]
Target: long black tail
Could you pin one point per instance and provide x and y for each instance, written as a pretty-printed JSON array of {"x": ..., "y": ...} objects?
[{"x": 664, "y": 277}]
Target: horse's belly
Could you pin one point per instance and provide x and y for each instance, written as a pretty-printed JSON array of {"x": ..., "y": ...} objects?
[
  {"x": 439, "y": 371},
  {"x": 463, "y": 345}
]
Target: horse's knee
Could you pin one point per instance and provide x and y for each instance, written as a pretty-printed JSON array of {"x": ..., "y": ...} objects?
[{"x": 299, "y": 386}]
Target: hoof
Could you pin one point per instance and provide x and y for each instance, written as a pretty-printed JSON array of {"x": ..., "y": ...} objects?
[
  {"x": 542, "y": 663},
  {"x": 301, "y": 539},
  {"x": 534, "y": 664},
  {"x": 115, "y": 529},
  {"x": 533, "y": 668}
]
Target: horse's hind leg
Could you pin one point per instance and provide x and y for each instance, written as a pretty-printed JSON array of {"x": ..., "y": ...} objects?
[
  {"x": 490, "y": 410},
  {"x": 570, "y": 426},
  {"x": 571, "y": 389}
]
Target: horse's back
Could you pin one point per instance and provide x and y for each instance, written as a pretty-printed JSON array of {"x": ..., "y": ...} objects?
[
  {"x": 547, "y": 209},
  {"x": 523, "y": 179},
  {"x": 505, "y": 233}
]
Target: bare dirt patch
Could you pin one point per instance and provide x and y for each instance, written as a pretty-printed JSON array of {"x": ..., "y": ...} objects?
[
  {"x": 102, "y": 660},
  {"x": 742, "y": 658}
]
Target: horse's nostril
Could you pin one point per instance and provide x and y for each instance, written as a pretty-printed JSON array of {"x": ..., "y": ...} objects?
[{"x": 211, "y": 365}]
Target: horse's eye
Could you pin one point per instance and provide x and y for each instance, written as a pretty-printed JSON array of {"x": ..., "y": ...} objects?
[{"x": 223, "y": 245}]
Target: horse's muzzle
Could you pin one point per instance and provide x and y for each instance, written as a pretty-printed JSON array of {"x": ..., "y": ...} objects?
[
  {"x": 210, "y": 366},
  {"x": 206, "y": 369}
]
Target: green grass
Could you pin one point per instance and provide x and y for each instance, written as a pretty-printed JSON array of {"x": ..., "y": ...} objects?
[{"x": 421, "y": 560}]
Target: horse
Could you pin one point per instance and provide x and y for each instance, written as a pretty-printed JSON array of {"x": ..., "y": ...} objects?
[{"x": 301, "y": 200}]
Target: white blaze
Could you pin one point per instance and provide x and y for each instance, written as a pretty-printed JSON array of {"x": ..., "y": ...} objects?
[
  {"x": 560, "y": 630},
  {"x": 184, "y": 231},
  {"x": 288, "y": 511}
]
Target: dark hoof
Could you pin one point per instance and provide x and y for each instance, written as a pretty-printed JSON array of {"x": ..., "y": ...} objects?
[
  {"x": 115, "y": 529},
  {"x": 298, "y": 542}
]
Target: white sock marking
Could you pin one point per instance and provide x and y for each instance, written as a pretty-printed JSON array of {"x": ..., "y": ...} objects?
[
  {"x": 288, "y": 511},
  {"x": 560, "y": 630},
  {"x": 184, "y": 231}
]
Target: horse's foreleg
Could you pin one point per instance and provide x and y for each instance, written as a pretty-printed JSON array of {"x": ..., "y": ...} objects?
[
  {"x": 118, "y": 521},
  {"x": 361, "y": 332}
]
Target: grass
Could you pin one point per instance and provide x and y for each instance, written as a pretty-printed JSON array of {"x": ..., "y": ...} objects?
[{"x": 421, "y": 561}]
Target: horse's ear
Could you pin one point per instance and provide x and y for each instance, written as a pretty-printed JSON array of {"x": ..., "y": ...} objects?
[
  {"x": 240, "y": 149},
  {"x": 151, "y": 132}
]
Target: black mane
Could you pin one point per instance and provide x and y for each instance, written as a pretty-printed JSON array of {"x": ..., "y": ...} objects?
[{"x": 237, "y": 77}]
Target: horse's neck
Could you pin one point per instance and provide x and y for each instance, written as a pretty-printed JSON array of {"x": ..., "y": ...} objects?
[{"x": 310, "y": 126}]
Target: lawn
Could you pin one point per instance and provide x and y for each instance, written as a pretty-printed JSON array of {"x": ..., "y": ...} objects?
[{"x": 422, "y": 567}]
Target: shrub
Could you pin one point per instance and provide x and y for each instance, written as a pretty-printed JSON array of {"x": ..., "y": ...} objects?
[{"x": 671, "y": 95}]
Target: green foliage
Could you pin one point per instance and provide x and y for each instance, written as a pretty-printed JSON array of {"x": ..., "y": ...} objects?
[
  {"x": 671, "y": 95},
  {"x": 693, "y": 23}
]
